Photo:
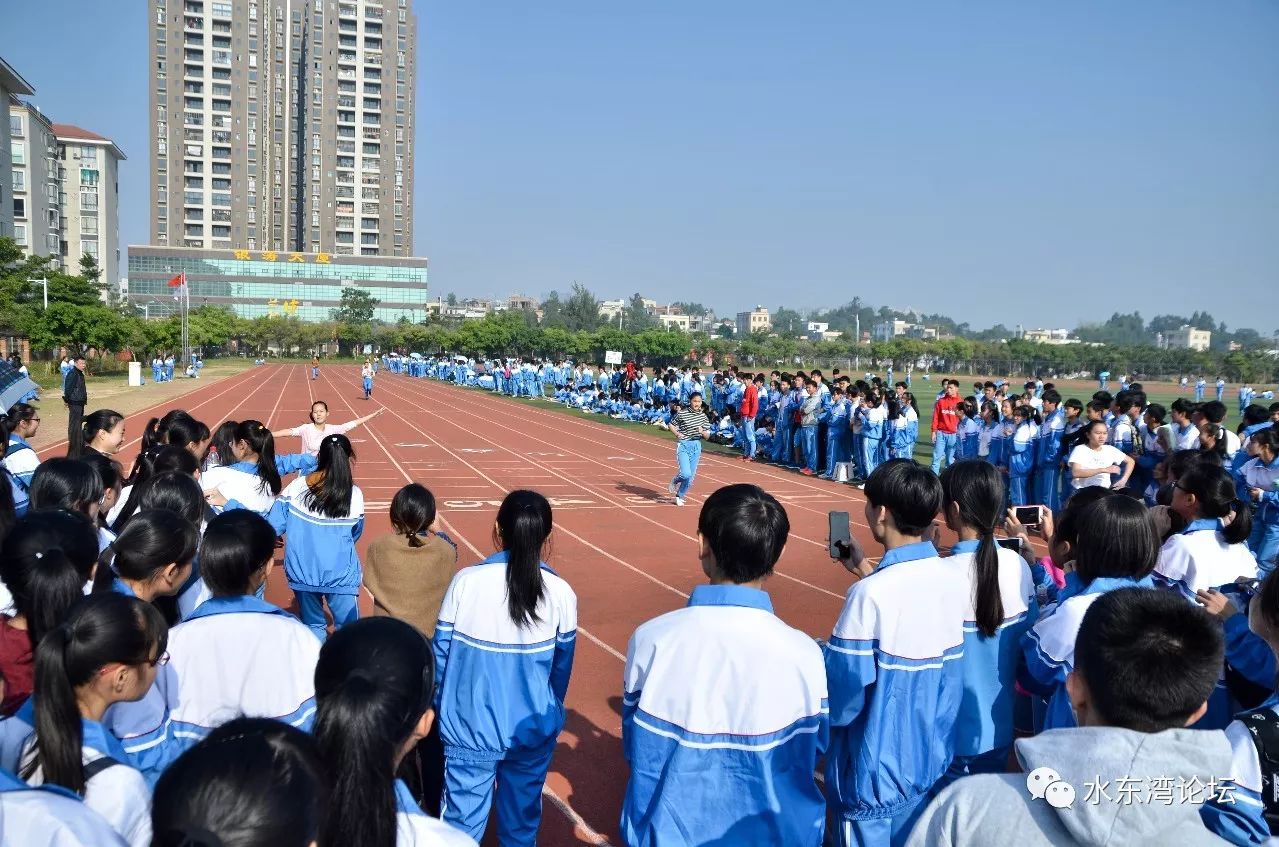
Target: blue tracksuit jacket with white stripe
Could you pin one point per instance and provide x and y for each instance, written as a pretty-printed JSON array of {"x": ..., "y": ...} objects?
[
  {"x": 724, "y": 716},
  {"x": 320, "y": 554},
  {"x": 893, "y": 666},
  {"x": 501, "y": 687},
  {"x": 985, "y": 719}
]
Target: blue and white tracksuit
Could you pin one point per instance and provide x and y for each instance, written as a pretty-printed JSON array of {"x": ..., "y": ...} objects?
[
  {"x": 1019, "y": 452},
  {"x": 500, "y": 692},
  {"x": 1048, "y": 461},
  {"x": 1264, "y": 541},
  {"x": 990, "y": 443},
  {"x": 838, "y": 435},
  {"x": 1199, "y": 558},
  {"x": 320, "y": 560},
  {"x": 874, "y": 430},
  {"x": 704, "y": 770},
  {"x": 1048, "y": 649},
  {"x": 896, "y": 684},
  {"x": 117, "y": 792},
  {"x": 49, "y": 815},
  {"x": 21, "y": 462},
  {"x": 984, "y": 728},
  {"x": 967, "y": 436},
  {"x": 240, "y": 656}
]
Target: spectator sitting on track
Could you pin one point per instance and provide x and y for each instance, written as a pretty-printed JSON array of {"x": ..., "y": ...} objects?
[
  {"x": 1146, "y": 663},
  {"x": 764, "y": 756}
]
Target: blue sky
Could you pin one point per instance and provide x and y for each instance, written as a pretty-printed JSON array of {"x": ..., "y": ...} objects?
[{"x": 1034, "y": 163}]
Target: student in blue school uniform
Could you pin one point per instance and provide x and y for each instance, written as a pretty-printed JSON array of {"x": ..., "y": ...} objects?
[
  {"x": 784, "y": 433},
  {"x": 690, "y": 746},
  {"x": 968, "y": 432},
  {"x": 251, "y": 781},
  {"x": 106, "y": 652},
  {"x": 1048, "y": 455},
  {"x": 375, "y": 683},
  {"x": 1201, "y": 385},
  {"x": 49, "y": 815},
  {"x": 835, "y": 417},
  {"x": 1019, "y": 453},
  {"x": 322, "y": 516},
  {"x": 1259, "y": 483},
  {"x": 894, "y": 644},
  {"x": 873, "y": 415},
  {"x": 809, "y": 411},
  {"x": 1221, "y": 389},
  {"x": 1002, "y": 607},
  {"x": 265, "y": 658},
  {"x": 1117, "y": 547},
  {"x": 504, "y": 653}
]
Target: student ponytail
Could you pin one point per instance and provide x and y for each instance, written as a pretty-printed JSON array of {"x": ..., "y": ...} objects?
[
  {"x": 413, "y": 512},
  {"x": 237, "y": 544},
  {"x": 1215, "y": 491},
  {"x": 374, "y": 681},
  {"x": 151, "y": 463},
  {"x": 103, "y": 420},
  {"x": 331, "y": 494},
  {"x": 151, "y": 541},
  {"x": 523, "y": 524},
  {"x": 99, "y": 631},
  {"x": 976, "y": 490},
  {"x": 260, "y": 441}
]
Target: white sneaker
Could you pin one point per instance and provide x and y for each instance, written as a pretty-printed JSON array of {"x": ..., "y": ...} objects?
[
  {"x": 679, "y": 501},
  {"x": 671, "y": 487}
]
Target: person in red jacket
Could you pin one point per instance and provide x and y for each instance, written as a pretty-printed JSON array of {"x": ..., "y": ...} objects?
[
  {"x": 750, "y": 409},
  {"x": 945, "y": 425}
]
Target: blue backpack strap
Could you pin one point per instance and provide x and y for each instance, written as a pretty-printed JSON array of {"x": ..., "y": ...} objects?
[
  {"x": 97, "y": 766},
  {"x": 1263, "y": 726}
]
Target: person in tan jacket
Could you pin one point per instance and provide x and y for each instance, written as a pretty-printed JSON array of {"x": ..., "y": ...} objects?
[{"x": 408, "y": 571}]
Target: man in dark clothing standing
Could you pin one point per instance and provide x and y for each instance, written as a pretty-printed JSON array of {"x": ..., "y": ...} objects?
[{"x": 75, "y": 396}]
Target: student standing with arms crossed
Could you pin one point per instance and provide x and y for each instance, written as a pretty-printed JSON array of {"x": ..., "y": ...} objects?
[
  {"x": 691, "y": 425},
  {"x": 703, "y": 769},
  {"x": 894, "y": 645}
]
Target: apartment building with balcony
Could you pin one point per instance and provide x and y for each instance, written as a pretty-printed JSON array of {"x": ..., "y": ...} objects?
[
  {"x": 89, "y": 200},
  {"x": 283, "y": 125},
  {"x": 34, "y": 183},
  {"x": 11, "y": 85}
]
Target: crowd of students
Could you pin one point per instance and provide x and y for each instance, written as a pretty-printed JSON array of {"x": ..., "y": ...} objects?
[{"x": 152, "y": 695}]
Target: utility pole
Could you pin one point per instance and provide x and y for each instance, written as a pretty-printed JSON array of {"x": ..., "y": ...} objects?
[{"x": 44, "y": 282}]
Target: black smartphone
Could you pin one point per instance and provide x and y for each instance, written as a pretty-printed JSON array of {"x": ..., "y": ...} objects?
[
  {"x": 1013, "y": 544},
  {"x": 1026, "y": 515},
  {"x": 840, "y": 534}
]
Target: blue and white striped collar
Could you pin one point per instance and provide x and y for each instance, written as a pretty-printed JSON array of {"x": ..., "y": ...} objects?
[
  {"x": 500, "y": 557},
  {"x": 119, "y": 586},
  {"x": 731, "y": 595},
  {"x": 907, "y": 553},
  {"x": 404, "y": 802},
  {"x": 235, "y": 605},
  {"x": 1202, "y": 525},
  {"x": 96, "y": 737}
]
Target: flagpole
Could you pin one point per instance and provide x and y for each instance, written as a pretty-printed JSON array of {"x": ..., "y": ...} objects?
[{"x": 186, "y": 332}]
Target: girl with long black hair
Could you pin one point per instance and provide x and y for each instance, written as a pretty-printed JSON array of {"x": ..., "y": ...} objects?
[
  {"x": 254, "y": 480},
  {"x": 1212, "y": 550},
  {"x": 322, "y": 514},
  {"x": 151, "y": 558},
  {"x": 1002, "y": 608},
  {"x": 105, "y": 652},
  {"x": 177, "y": 492},
  {"x": 374, "y": 688},
  {"x": 45, "y": 563},
  {"x": 74, "y": 485},
  {"x": 252, "y": 782},
  {"x": 104, "y": 432},
  {"x": 265, "y": 658},
  {"x": 151, "y": 461},
  {"x": 504, "y": 653},
  {"x": 19, "y": 426}
]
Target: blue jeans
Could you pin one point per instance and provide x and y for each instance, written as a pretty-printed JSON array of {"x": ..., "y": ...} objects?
[
  {"x": 468, "y": 795},
  {"x": 944, "y": 447},
  {"x": 345, "y": 609},
  {"x": 808, "y": 443},
  {"x": 688, "y": 454},
  {"x": 748, "y": 427}
]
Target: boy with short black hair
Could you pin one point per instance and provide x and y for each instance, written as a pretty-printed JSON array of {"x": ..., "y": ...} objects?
[
  {"x": 705, "y": 770},
  {"x": 1146, "y": 663},
  {"x": 893, "y": 664}
]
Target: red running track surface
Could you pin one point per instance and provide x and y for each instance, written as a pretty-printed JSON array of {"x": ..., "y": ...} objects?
[{"x": 628, "y": 552}]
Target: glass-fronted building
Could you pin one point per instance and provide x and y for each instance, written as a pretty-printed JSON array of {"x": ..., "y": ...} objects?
[{"x": 266, "y": 282}]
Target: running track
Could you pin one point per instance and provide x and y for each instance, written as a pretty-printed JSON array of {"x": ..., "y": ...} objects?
[{"x": 627, "y": 551}]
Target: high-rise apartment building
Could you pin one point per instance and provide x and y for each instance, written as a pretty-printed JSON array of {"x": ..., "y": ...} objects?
[
  {"x": 33, "y": 159},
  {"x": 283, "y": 125},
  {"x": 11, "y": 85},
  {"x": 89, "y": 201}
]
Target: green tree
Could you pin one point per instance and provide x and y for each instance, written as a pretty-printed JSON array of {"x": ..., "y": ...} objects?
[
  {"x": 788, "y": 322},
  {"x": 697, "y": 310},
  {"x": 636, "y": 317},
  {"x": 581, "y": 311},
  {"x": 356, "y": 306},
  {"x": 451, "y": 299}
]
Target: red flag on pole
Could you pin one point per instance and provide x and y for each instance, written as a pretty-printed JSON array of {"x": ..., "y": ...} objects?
[{"x": 179, "y": 280}]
